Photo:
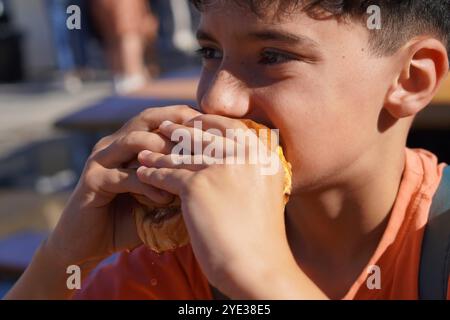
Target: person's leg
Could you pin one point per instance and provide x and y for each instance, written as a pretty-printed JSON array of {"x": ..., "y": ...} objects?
[
  {"x": 122, "y": 27},
  {"x": 62, "y": 40},
  {"x": 132, "y": 74},
  {"x": 79, "y": 38},
  {"x": 131, "y": 19},
  {"x": 183, "y": 38},
  {"x": 61, "y": 37}
]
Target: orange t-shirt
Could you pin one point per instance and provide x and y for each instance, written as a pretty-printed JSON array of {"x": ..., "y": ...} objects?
[{"x": 143, "y": 274}]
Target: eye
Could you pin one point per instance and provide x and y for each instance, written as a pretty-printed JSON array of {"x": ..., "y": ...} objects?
[
  {"x": 208, "y": 53},
  {"x": 275, "y": 57}
]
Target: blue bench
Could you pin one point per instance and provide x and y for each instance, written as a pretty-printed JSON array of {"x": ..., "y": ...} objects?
[
  {"x": 112, "y": 112},
  {"x": 16, "y": 252}
]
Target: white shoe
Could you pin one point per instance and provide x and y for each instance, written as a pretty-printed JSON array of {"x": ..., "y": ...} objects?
[{"x": 124, "y": 85}]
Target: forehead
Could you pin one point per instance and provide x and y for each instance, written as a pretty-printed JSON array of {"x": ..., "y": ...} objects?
[
  {"x": 233, "y": 18},
  {"x": 265, "y": 11},
  {"x": 230, "y": 20},
  {"x": 237, "y": 27}
]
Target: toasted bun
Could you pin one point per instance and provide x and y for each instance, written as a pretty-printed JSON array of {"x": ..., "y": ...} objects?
[{"x": 162, "y": 228}]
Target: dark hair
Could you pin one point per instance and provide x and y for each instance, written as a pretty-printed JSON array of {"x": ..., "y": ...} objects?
[{"x": 401, "y": 19}]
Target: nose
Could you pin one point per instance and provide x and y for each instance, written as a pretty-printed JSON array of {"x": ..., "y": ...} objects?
[{"x": 223, "y": 94}]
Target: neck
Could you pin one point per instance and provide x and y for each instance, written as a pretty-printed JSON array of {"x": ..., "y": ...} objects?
[{"x": 345, "y": 222}]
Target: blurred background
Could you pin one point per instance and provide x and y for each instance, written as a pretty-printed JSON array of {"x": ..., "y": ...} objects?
[{"x": 63, "y": 87}]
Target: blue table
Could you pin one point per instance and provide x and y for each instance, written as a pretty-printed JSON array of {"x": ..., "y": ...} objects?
[
  {"x": 112, "y": 112},
  {"x": 16, "y": 252}
]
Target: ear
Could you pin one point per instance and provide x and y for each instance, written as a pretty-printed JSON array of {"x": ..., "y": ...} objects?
[{"x": 420, "y": 78}]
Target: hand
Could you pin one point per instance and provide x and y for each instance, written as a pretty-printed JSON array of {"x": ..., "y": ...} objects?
[
  {"x": 98, "y": 220},
  {"x": 234, "y": 213}
]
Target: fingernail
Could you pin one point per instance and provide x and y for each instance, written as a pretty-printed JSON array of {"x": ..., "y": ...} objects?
[
  {"x": 141, "y": 170},
  {"x": 145, "y": 154},
  {"x": 165, "y": 124}
]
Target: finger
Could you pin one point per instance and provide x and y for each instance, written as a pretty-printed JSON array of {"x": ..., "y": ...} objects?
[
  {"x": 242, "y": 131},
  {"x": 117, "y": 181},
  {"x": 212, "y": 121},
  {"x": 127, "y": 147},
  {"x": 144, "y": 200},
  {"x": 175, "y": 161},
  {"x": 212, "y": 144},
  {"x": 170, "y": 180},
  {"x": 247, "y": 134},
  {"x": 149, "y": 120},
  {"x": 125, "y": 233}
]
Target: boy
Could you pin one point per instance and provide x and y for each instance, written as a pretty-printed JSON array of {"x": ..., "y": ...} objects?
[{"x": 343, "y": 97}]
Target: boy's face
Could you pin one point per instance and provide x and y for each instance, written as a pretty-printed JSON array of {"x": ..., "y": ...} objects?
[{"x": 315, "y": 80}]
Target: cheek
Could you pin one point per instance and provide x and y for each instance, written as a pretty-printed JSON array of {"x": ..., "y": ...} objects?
[
  {"x": 359, "y": 85},
  {"x": 319, "y": 148},
  {"x": 320, "y": 154},
  {"x": 322, "y": 132}
]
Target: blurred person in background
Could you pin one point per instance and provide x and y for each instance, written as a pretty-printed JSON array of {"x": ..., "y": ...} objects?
[
  {"x": 183, "y": 37},
  {"x": 70, "y": 44},
  {"x": 4, "y": 18},
  {"x": 127, "y": 29},
  {"x": 11, "y": 51},
  {"x": 177, "y": 43}
]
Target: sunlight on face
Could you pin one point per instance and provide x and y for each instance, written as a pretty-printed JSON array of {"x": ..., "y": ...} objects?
[{"x": 314, "y": 80}]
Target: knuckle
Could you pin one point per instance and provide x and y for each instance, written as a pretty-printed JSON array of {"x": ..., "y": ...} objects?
[
  {"x": 180, "y": 112},
  {"x": 129, "y": 124},
  {"x": 159, "y": 174},
  {"x": 185, "y": 112},
  {"x": 131, "y": 138},
  {"x": 180, "y": 107},
  {"x": 148, "y": 174},
  {"x": 102, "y": 143},
  {"x": 91, "y": 159},
  {"x": 159, "y": 162},
  {"x": 146, "y": 114},
  {"x": 200, "y": 118},
  {"x": 153, "y": 175},
  {"x": 90, "y": 177},
  {"x": 154, "y": 141}
]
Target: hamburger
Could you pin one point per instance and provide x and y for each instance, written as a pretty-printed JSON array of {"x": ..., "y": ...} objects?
[{"x": 161, "y": 228}]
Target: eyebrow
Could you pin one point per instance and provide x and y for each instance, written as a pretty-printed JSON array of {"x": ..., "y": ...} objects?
[
  {"x": 283, "y": 37},
  {"x": 203, "y": 35},
  {"x": 268, "y": 35}
]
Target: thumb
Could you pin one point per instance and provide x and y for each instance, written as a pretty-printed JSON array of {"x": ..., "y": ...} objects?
[{"x": 125, "y": 235}]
